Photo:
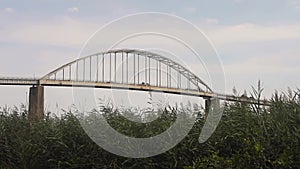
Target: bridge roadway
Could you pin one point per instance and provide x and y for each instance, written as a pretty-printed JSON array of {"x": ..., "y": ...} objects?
[{"x": 139, "y": 87}]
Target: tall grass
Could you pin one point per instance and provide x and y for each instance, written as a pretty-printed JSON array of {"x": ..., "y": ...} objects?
[{"x": 247, "y": 137}]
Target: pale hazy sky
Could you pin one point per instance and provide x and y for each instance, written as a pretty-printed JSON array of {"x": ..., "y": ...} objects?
[{"x": 257, "y": 39}]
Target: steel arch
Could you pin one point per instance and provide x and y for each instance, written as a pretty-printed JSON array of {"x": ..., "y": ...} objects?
[{"x": 194, "y": 79}]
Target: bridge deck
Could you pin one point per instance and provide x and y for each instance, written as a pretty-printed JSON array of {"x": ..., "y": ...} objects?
[
  {"x": 19, "y": 81},
  {"x": 140, "y": 87}
]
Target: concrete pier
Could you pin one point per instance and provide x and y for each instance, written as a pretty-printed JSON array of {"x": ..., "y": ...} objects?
[
  {"x": 207, "y": 106},
  {"x": 36, "y": 104}
]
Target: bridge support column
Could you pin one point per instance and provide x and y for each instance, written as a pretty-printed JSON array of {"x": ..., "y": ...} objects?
[
  {"x": 36, "y": 104},
  {"x": 207, "y": 106}
]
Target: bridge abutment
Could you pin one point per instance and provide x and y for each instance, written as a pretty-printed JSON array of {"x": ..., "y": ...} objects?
[{"x": 36, "y": 104}]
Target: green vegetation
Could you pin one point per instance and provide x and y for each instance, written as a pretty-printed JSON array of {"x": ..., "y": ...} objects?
[{"x": 247, "y": 137}]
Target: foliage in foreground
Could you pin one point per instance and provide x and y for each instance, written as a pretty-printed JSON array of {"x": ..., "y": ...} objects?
[{"x": 247, "y": 137}]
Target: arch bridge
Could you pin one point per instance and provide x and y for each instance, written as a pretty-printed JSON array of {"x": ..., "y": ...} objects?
[{"x": 128, "y": 69}]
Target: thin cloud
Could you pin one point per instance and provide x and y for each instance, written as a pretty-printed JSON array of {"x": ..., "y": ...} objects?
[
  {"x": 9, "y": 10},
  {"x": 295, "y": 3},
  {"x": 66, "y": 32},
  {"x": 238, "y": 1},
  {"x": 190, "y": 10},
  {"x": 212, "y": 21},
  {"x": 252, "y": 33},
  {"x": 73, "y": 9}
]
